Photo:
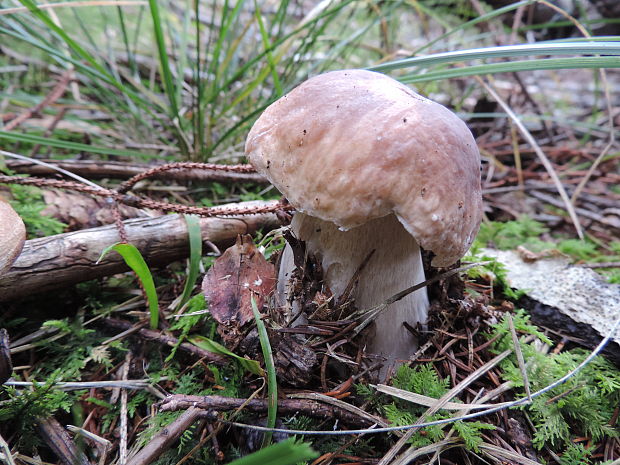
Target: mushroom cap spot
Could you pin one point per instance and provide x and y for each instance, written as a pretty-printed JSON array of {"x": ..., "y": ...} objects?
[
  {"x": 12, "y": 235},
  {"x": 352, "y": 145}
]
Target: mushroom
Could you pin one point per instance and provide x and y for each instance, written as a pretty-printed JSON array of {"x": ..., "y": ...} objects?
[
  {"x": 12, "y": 235},
  {"x": 369, "y": 165}
]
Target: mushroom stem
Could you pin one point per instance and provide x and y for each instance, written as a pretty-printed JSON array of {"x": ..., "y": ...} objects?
[{"x": 395, "y": 265}]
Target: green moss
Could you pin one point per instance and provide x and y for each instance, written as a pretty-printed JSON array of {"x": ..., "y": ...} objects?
[{"x": 582, "y": 406}]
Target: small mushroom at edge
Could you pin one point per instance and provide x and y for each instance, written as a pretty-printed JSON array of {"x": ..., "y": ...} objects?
[{"x": 380, "y": 168}]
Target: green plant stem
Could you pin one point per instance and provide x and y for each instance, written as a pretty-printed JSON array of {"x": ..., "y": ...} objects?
[{"x": 272, "y": 385}]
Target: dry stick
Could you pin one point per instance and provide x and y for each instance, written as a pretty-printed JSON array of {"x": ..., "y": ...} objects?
[
  {"x": 122, "y": 170},
  {"x": 606, "y": 149},
  {"x": 6, "y": 450},
  {"x": 518, "y": 16},
  {"x": 519, "y": 354},
  {"x": 124, "y": 187},
  {"x": 52, "y": 262},
  {"x": 516, "y": 22},
  {"x": 55, "y": 94},
  {"x": 311, "y": 407},
  {"x": 517, "y": 156},
  {"x": 80, "y": 385},
  {"x": 51, "y": 168},
  {"x": 502, "y": 455},
  {"x": 162, "y": 338},
  {"x": 582, "y": 211},
  {"x": 60, "y": 442},
  {"x": 102, "y": 444},
  {"x": 212, "y": 416},
  {"x": 122, "y": 449},
  {"x": 340, "y": 404},
  {"x": 219, "y": 455},
  {"x": 600, "y": 265},
  {"x": 141, "y": 202},
  {"x": 164, "y": 438},
  {"x": 541, "y": 155}
]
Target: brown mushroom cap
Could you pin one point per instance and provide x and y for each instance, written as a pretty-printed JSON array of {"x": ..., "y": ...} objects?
[
  {"x": 349, "y": 146},
  {"x": 12, "y": 235}
]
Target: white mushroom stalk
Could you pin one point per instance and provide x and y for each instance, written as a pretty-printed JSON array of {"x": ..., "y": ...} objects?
[
  {"x": 395, "y": 263},
  {"x": 371, "y": 165}
]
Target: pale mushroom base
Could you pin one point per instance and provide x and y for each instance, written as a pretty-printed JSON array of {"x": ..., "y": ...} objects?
[{"x": 394, "y": 266}]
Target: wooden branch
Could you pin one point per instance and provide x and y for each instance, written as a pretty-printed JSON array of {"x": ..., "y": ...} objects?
[
  {"x": 57, "y": 438},
  {"x": 166, "y": 339},
  {"x": 308, "y": 407},
  {"x": 165, "y": 438},
  {"x": 81, "y": 211},
  {"x": 110, "y": 169},
  {"x": 53, "y": 262}
]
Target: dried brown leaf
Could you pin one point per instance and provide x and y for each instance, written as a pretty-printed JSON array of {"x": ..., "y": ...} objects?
[{"x": 240, "y": 273}]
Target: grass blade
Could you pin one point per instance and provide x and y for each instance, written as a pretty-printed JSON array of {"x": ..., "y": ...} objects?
[
  {"x": 562, "y": 48},
  {"x": 167, "y": 77},
  {"x": 98, "y": 76},
  {"x": 183, "y": 52},
  {"x": 272, "y": 384},
  {"x": 74, "y": 45},
  {"x": 195, "y": 253},
  {"x": 283, "y": 453},
  {"x": 513, "y": 66},
  {"x": 473, "y": 22},
  {"x": 98, "y": 71},
  {"x": 267, "y": 46},
  {"x": 134, "y": 260},
  {"x": 128, "y": 50},
  {"x": 163, "y": 59},
  {"x": 208, "y": 344},
  {"x": 63, "y": 144}
]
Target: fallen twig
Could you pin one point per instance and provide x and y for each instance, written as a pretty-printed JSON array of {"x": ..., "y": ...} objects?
[
  {"x": 313, "y": 408},
  {"x": 167, "y": 340},
  {"x": 53, "y": 262},
  {"x": 120, "y": 170},
  {"x": 607, "y": 221},
  {"x": 165, "y": 438},
  {"x": 142, "y": 202},
  {"x": 60, "y": 442},
  {"x": 599, "y": 265}
]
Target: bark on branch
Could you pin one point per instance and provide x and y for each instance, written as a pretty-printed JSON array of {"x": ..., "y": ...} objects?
[
  {"x": 110, "y": 169},
  {"x": 168, "y": 340},
  {"x": 53, "y": 262},
  {"x": 308, "y": 407}
]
